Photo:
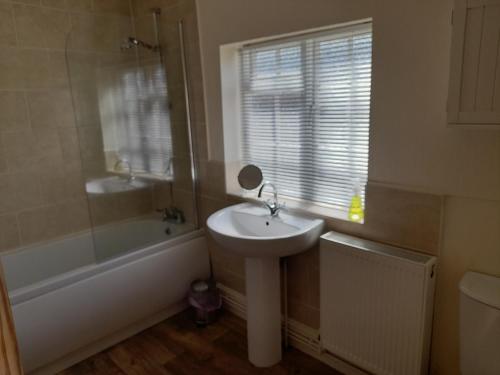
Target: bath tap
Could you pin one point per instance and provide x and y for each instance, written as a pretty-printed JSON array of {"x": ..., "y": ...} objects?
[
  {"x": 131, "y": 176},
  {"x": 273, "y": 206},
  {"x": 172, "y": 215}
]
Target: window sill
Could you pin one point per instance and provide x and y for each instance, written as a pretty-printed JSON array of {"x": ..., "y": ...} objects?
[
  {"x": 145, "y": 176},
  {"x": 298, "y": 206}
]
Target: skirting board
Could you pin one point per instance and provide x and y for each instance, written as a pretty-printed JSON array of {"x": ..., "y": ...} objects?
[
  {"x": 300, "y": 336},
  {"x": 98, "y": 346}
]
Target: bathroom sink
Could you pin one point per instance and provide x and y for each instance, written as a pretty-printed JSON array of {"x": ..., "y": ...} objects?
[
  {"x": 114, "y": 184},
  {"x": 249, "y": 230}
]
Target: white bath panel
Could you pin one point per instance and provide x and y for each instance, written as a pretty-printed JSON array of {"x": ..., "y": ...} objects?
[{"x": 73, "y": 316}]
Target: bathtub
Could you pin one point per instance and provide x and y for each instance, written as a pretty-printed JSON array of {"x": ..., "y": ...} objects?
[{"x": 71, "y": 299}]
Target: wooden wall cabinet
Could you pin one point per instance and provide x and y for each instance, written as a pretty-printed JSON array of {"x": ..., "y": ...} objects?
[{"x": 474, "y": 91}]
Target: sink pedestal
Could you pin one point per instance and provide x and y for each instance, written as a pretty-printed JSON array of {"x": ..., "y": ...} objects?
[
  {"x": 263, "y": 310},
  {"x": 248, "y": 230}
]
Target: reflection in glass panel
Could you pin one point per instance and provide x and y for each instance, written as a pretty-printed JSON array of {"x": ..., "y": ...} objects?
[{"x": 131, "y": 136}]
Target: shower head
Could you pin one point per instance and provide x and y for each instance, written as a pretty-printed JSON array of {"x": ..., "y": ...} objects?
[{"x": 134, "y": 42}]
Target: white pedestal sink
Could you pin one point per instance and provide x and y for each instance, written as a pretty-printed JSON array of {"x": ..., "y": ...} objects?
[{"x": 249, "y": 230}]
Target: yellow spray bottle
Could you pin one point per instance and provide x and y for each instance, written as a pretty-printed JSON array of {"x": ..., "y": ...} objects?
[{"x": 356, "y": 213}]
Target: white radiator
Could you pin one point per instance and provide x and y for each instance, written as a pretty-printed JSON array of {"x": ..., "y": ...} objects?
[{"x": 376, "y": 304}]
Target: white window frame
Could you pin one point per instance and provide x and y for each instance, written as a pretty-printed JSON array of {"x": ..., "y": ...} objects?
[{"x": 231, "y": 110}]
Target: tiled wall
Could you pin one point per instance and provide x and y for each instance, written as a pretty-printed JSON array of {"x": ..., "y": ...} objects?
[
  {"x": 402, "y": 218},
  {"x": 41, "y": 183},
  {"x": 47, "y": 149}
]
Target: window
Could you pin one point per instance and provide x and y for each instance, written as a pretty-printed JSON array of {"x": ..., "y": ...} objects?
[{"x": 305, "y": 113}]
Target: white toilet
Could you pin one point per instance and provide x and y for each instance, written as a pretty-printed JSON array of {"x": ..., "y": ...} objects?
[{"x": 479, "y": 324}]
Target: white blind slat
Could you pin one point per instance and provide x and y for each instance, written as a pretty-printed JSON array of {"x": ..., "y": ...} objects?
[
  {"x": 142, "y": 130},
  {"x": 305, "y": 112}
]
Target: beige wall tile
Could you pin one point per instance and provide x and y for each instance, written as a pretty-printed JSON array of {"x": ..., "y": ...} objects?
[
  {"x": 207, "y": 206},
  {"x": 74, "y": 180},
  {"x": 77, "y": 214},
  {"x": 162, "y": 195},
  {"x": 31, "y": 2},
  {"x": 16, "y": 145},
  {"x": 51, "y": 109},
  {"x": 228, "y": 278},
  {"x": 103, "y": 209},
  {"x": 9, "y": 232},
  {"x": 41, "y": 164},
  {"x": 182, "y": 172},
  {"x": 27, "y": 191},
  {"x": 212, "y": 179},
  {"x": 56, "y": 223},
  {"x": 142, "y": 7},
  {"x": 99, "y": 32},
  {"x": 227, "y": 260},
  {"x": 32, "y": 69},
  {"x": 19, "y": 191},
  {"x": 135, "y": 203},
  {"x": 3, "y": 162},
  {"x": 79, "y": 5},
  {"x": 58, "y": 72},
  {"x": 113, "y": 6},
  {"x": 144, "y": 29},
  {"x": 49, "y": 222},
  {"x": 303, "y": 277},
  {"x": 183, "y": 199},
  {"x": 7, "y": 26},
  {"x": 13, "y": 110},
  {"x": 70, "y": 146},
  {"x": 86, "y": 104},
  {"x": 304, "y": 314},
  {"x": 11, "y": 77},
  {"x": 53, "y": 186},
  {"x": 59, "y": 4},
  {"x": 81, "y": 68},
  {"x": 41, "y": 224},
  {"x": 61, "y": 182},
  {"x": 403, "y": 218},
  {"x": 41, "y": 27},
  {"x": 43, "y": 146},
  {"x": 91, "y": 147}
]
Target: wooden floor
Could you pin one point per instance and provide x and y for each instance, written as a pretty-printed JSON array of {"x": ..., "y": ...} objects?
[{"x": 177, "y": 347}]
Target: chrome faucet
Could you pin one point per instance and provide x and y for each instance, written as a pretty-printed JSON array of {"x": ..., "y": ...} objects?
[
  {"x": 172, "y": 215},
  {"x": 131, "y": 176},
  {"x": 273, "y": 206}
]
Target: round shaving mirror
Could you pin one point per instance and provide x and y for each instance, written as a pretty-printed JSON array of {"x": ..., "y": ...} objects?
[{"x": 250, "y": 177}]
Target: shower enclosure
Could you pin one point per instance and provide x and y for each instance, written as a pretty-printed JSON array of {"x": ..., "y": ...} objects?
[
  {"x": 131, "y": 112},
  {"x": 137, "y": 246}
]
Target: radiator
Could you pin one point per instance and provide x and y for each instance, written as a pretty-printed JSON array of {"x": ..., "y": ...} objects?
[{"x": 376, "y": 304}]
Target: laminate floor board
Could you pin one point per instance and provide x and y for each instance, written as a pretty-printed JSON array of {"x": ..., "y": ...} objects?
[{"x": 177, "y": 346}]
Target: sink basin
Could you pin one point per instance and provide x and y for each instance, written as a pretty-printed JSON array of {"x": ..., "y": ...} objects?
[
  {"x": 250, "y": 231},
  {"x": 114, "y": 184}
]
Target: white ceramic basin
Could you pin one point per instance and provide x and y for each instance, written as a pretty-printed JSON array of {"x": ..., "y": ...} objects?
[
  {"x": 114, "y": 184},
  {"x": 249, "y": 230}
]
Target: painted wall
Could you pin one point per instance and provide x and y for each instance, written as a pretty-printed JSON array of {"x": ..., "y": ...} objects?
[{"x": 411, "y": 147}]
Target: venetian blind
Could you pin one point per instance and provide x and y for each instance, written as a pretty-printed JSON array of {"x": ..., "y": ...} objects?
[
  {"x": 306, "y": 113},
  {"x": 136, "y": 118}
]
